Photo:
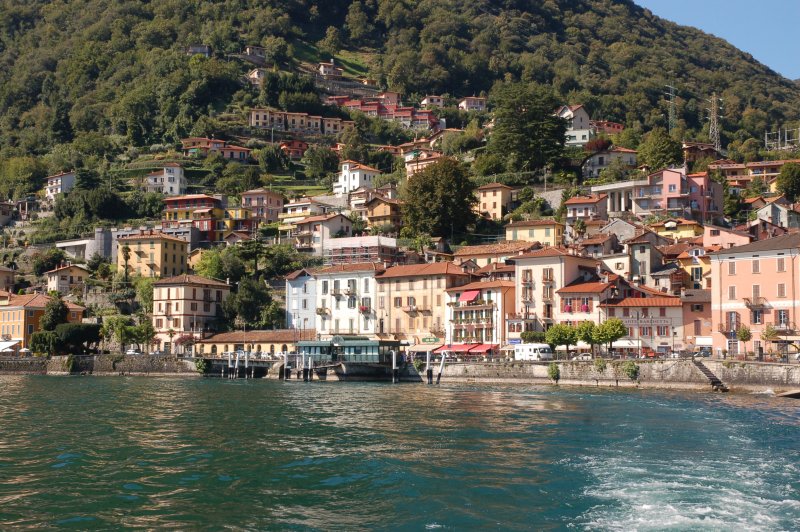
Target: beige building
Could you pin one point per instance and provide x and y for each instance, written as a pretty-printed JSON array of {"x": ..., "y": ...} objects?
[
  {"x": 488, "y": 253},
  {"x": 152, "y": 254},
  {"x": 412, "y": 302},
  {"x": 258, "y": 343},
  {"x": 546, "y": 232},
  {"x": 66, "y": 278},
  {"x": 186, "y": 305},
  {"x": 493, "y": 200},
  {"x": 7, "y": 279}
]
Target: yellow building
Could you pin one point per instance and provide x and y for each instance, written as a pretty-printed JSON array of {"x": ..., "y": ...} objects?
[
  {"x": 697, "y": 266},
  {"x": 677, "y": 228},
  {"x": 493, "y": 200},
  {"x": 20, "y": 316},
  {"x": 546, "y": 232},
  {"x": 258, "y": 343},
  {"x": 384, "y": 212},
  {"x": 152, "y": 254}
]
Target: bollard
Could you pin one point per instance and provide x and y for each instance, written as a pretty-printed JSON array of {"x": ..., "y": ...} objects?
[
  {"x": 394, "y": 366},
  {"x": 441, "y": 369},
  {"x": 428, "y": 368}
]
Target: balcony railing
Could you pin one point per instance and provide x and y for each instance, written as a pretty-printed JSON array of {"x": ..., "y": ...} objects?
[
  {"x": 755, "y": 302},
  {"x": 527, "y": 282},
  {"x": 322, "y": 311},
  {"x": 547, "y": 296},
  {"x": 727, "y": 328},
  {"x": 410, "y": 308},
  {"x": 547, "y": 278},
  {"x": 785, "y": 327},
  {"x": 336, "y": 292}
]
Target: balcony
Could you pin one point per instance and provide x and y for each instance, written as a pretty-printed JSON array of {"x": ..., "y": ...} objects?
[
  {"x": 323, "y": 311},
  {"x": 728, "y": 328},
  {"x": 350, "y": 291},
  {"x": 548, "y": 278},
  {"x": 527, "y": 282},
  {"x": 754, "y": 302},
  {"x": 410, "y": 308},
  {"x": 336, "y": 292},
  {"x": 785, "y": 327},
  {"x": 364, "y": 309},
  {"x": 547, "y": 296},
  {"x": 521, "y": 317}
]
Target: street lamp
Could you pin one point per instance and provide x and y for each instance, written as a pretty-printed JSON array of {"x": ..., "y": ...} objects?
[{"x": 639, "y": 333}]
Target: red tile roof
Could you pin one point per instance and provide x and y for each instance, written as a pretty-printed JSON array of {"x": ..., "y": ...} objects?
[
  {"x": 190, "y": 279},
  {"x": 498, "y": 248},
  {"x": 482, "y": 285},
  {"x": 354, "y": 267},
  {"x": 662, "y": 301},
  {"x": 592, "y": 287},
  {"x": 580, "y": 200},
  {"x": 422, "y": 270}
]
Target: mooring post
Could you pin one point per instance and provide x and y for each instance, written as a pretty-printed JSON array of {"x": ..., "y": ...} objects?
[
  {"x": 305, "y": 367},
  {"x": 246, "y": 362},
  {"x": 286, "y": 369},
  {"x": 394, "y": 366},
  {"x": 230, "y": 364},
  {"x": 428, "y": 368},
  {"x": 441, "y": 368},
  {"x": 236, "y": 367}
]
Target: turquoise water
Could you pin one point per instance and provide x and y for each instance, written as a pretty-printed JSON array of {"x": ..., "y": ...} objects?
[{"x": 104, "y": 453}]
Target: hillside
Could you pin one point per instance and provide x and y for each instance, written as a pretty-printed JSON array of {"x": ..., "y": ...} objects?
[{"x": 71, "y": 69}]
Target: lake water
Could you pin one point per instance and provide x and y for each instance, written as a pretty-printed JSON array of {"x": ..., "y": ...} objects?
[{"x": 94, "y": 452}]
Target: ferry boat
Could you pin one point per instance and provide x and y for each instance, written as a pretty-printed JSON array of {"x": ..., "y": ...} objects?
[{"x": 352, "y": 357}]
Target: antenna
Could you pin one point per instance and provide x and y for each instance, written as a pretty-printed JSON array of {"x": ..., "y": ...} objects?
[
  {"x": 715, "y": 106},
  {"x": 672, "y": 116}
]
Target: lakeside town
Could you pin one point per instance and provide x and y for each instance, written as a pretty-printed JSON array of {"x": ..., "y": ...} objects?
[{"x": 624, "y": 258}]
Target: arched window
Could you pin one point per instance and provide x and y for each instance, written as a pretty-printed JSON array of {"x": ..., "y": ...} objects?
[
  {"x": 284, "y": 349},
  {"x": 271, "y": 349},
  {"x": 213, "y": 349}
]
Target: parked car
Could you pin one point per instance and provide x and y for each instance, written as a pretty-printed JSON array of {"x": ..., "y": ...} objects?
[
  {"x": 157, "y": 353},
  {"x": 133, "y": 352},
  {"x": 583, "y": 356}
]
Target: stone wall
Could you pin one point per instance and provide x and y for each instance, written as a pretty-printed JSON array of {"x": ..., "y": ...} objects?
[{"x": 23, "y": 366}]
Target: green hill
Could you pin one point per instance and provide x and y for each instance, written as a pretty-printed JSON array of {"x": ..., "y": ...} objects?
[{"x": 72, "y": 69}]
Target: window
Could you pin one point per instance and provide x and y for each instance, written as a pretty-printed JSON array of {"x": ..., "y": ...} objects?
[
  {"x": 662, "y": 330},
  {"x": 731, "y": 268},
  {"x": 672, "y": 188},
  {"x": 662, "y": 312},
  {"x": 715, "y": 232},
  {"x": 758, "y": 317},
  {"x": 781, "y": 290},
  {"x": 698, "y": 327},
  {"x": 324, "y": 287},
  {"x": 645, "y": 331},
  {"x": 756, "y": 266},
  {"x": 756, "y": 291},
  {"x": 697, "y": 307},
  {"x": 398, "y": 302},
  {"x": 612, "y": 312},
  {"x": 645, "y": 312},
  {"x": 782, "y": 318},
  {"x": 626, "y": 312},
  {"x": 731, "y": 293}
]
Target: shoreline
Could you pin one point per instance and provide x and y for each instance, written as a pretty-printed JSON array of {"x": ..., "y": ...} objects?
[{"x": 683, "y": 374}]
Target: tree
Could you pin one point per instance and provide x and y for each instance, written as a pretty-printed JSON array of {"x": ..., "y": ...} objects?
[
  {"x": 320, "y": 161},
  {"x": 126, "y": 256},
  {"x": 579, "y": 227},
  {"x": 144, "y": 292},
  {"x": 247, "y": 302},
  {"x": 659, "y": 150},
  {"x": 770, "y": 334},
  {"x": 531, "y": 337},
  {"x": 50, "y": 259},
  {"x": 332, "y": 42},
  {"x": 561, "y": 334},
  {"x": 744, "y": 335},
  {"x": 526, "y": 133},
  {"x": 77, "y": 337},
  {"x": 358, "y": 23},
  {"x": 587, "y": 333},
  {"x": 272, "y": 158},
  {"x": 44, "y": 342},
  {"x": 143, "y": 333},
  {"x": 610, "y": 331},
  {"x": 439, "y": 199},
  {"x": 55, "y": 313},
  {"x": 275, "y": 48},
  {"x": 221, "y": 263},
  {"x": 788, "y": 181}
]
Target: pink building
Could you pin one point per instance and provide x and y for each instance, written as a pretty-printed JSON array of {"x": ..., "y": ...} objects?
[
  {"x": 755, "y": 286},
  {"x": 671, "y": 192},
  {"x": 724, "y": 237},
  {"x": 585, "y": 208},
  {"x": 265, "y": 204}
]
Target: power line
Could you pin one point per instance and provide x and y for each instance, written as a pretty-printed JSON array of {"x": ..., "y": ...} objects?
[
  {"x": 715, "y": 106},
  {"x": 673, "y": 121}
]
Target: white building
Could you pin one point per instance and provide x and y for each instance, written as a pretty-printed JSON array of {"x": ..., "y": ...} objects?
[
  {"x": 59, "y": 184},
  {"x": 168, "y": 180},
  {"x": 579, "y": 129},
  {"x": 431, "y": 101},
  {"x": 301, "y": 298},
  {"x": 472, "y": 103},
  {"x": 346, "y": 299},
  {"x": 65, "y": 278},
  {"x": 313, "y": 232},
  {"x": 354, "y": 175},
  {"x": 597, "y": 162}
]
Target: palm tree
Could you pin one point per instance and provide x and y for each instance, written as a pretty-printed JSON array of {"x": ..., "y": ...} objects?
[{"x": 126, "y": 256}]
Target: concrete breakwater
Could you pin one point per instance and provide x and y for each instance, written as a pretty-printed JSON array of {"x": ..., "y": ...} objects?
[{"x": 674, "y": 374}]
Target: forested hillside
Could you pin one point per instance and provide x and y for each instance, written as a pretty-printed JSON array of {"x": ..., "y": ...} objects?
[{"x": 72, "y": 69}]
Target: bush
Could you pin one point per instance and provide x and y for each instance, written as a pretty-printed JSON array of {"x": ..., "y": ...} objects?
[
  {"x": 631, "y": 369},
  {"x": 419, "y": 364},
  {"x": 599, "y": 365},
  {"x": 553, "y": 371},
  {"x": 201, "y": 365}
]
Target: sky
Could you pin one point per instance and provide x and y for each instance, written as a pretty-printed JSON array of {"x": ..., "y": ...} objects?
[{"x": 766, "y": 29}]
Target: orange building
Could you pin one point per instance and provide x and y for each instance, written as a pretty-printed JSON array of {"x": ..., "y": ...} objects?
[{"x": 20, "y": 317}]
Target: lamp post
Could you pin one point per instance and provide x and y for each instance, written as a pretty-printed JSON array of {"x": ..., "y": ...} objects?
[{"x": 639, "y": 334}]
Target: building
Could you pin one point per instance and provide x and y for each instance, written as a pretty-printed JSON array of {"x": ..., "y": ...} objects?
[
  {"x": 476, "y": 317},
  {"x": 67, "y": 278},
  {"x": 579, "y": 128},
  {"x": 8, "y": 209},
  {"x": 258, "y": 343},
  {"x": 432, "y": 101},
  {"x": 697, "y": 151},
  {"x": 739, "y": 175},
  {"x": 677, "y": 228},
  {"x": 60, "y": 183},
  {"x": 418, "y": 160},
  {"x": 168, "y": 180},
  {"x": 655, "y": 324},
  {"x": 7, "y": 279},
  {"x": 472, "y": 103},
  {"x": 104, "y": 242},
  {"x": 20, "y": 316},
  {"x": 312, "y": 232},
  {"x": 780, "y": 214},
  {"x": 346, "y": 296},
  {"x": 354, "y": 175},
  {"x": 194, "y": 210},
  {"x": 697, "y": 329},
  {"x": 186, "y": 306},
  {"x": 714, "y": 235},
  {"x": 493, "y": 200},
  {"x": 265, "y": 205},
  {"x": 256, "y": 76},
  {"x": 329, "y": 70},
  {"x": 202, "y": 146},
  {"x": 373, "y": 248},
  {"x": 696, "y": 264},
  {"x": 547, "y": 232},
  {"x": 297, "y": 210},
  {"x": 599, "y": 161},
  {"x": 301, "y": 300},
  {"x": 591, "y": 207},
  {"x": 484, "y": 254},
  {"x": 755, "y": 286},
  {"x": 152, "y": 254},
  {"x": 199, "y": 49},
  {"x": 294, "y": 149},
  {"x": 384, "y": 212},
  {"x": 412, "y": 302},
  {"x": 606, "y": 127}
]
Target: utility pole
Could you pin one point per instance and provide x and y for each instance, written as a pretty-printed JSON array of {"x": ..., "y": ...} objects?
[
  {"x": 715, "y": 106},
  {"x": 672, "y": 115}
]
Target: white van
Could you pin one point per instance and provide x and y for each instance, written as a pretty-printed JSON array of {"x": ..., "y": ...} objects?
[{"x": 533, "y": 352}]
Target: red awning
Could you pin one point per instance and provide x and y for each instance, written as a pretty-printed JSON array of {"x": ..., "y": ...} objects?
[
  {"x": 456, "y": 348},
  {"x": 484, "y": 348},
  {"x": 469, "y": 295}
]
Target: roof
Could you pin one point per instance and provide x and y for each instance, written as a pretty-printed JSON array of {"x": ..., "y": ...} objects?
[
  {"x": 696, "y": 296},
  {"x": 600, "y": 238},
  {"x": 489, "y": 186},
  {"x": 154, "y": 234},
  {"x": 354, "y": 267},
  {"x": 534, "y": 223},
  {"x": 620, "y": 149},
  {"x": 296, "y": 274},
  {"x": 320, "y": 218},
  {"x": 498, "y": 248},
  {"x": 665, "y": 269},
  {"x": 68, "y": 266},
  {"x": 359, "y": 166},
  {"x": 787, "y": 241},
  {"x": 674, "y": 249},
  {"x": 496, "y": 267},
  {"x": 38, "y": 301},
  {"x": 661, "y": 301},
  {"x": 552, "y": 251},
  {"x": 592, "y": 198},
  {"x": 678, "y": 221},
  {"x": 420, "y": 270},
  {"x": 274, "y": 336},
  {"x": 190, "y": 279},
  {"x": 191, "y": 196},
  {"x": 582, "y": 287},
  {"x": 481, "y": 285}
]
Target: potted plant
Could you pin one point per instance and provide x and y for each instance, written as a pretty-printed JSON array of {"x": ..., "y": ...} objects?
[{"x": 363, "y": 308}]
